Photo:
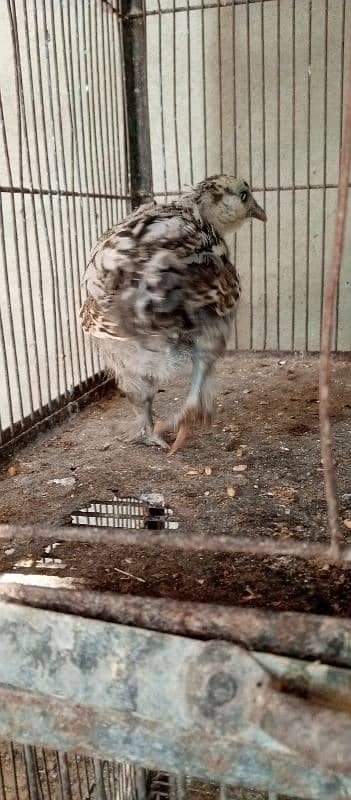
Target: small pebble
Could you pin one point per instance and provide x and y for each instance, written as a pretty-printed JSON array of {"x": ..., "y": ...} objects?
[
  {"x": 192, "y": 472},
  {"x": 347, "y": 523},
  {"x": 12, "y": 471},
  {"x": 240, "y": 468},
  {"x": 208, "y": 470},
  {"x": 231, "y": 492},
  {"x": 206, "y": 494}
]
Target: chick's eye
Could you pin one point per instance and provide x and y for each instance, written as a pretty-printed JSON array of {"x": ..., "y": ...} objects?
[{"x": 243, "y": 196}]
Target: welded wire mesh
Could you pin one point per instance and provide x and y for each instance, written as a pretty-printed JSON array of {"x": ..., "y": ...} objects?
[
  {"x": 34, "y": 773},
  {"x": 126, "y": 512},
  {"x": 256, "y": 88},
  {"x": 63, "y": 180}
]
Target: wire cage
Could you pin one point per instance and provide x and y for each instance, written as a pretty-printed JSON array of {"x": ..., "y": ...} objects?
[{"x": 174, "y": 630}]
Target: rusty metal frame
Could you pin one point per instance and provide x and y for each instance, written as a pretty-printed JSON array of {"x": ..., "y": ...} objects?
[
  {"x": 209, "y": 709},
  {"x": 185, "y": 542},
  {"x": 304, "y": 636}
]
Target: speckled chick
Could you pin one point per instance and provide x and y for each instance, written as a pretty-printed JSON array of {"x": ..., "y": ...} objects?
[{"x": 162, "y": 291}]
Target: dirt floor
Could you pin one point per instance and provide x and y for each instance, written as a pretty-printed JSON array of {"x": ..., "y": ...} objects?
[{"x": 256, "y": 470}]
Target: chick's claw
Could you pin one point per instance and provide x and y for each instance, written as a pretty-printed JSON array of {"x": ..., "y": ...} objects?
[
  {"x": 182, "y": 435},
  {"x": 156, "y": 439}
]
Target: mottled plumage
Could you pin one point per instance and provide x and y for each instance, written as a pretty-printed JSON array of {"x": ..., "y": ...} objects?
[{"x": 161, "y": 289}]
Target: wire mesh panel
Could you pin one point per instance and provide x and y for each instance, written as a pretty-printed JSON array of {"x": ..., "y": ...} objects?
[
  {"x": 63, "y": 181},
  {"x": 255, "y": 88},
  {"x": 33, "y": 773}
]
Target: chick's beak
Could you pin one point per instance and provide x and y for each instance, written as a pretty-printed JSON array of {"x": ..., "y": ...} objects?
[{"x": 257, "y": 212}]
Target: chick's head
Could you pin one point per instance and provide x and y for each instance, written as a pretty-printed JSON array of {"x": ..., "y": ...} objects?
[{"x": 226, "y": 202}]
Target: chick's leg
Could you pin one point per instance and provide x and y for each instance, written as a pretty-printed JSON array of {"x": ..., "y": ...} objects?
[
  {"x": 198, "y": 406},
  {"x": 140, "y": 393},
  {"x": 149, "y": 434}
]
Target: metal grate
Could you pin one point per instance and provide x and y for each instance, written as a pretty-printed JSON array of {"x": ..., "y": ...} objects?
[
  {"x": 128, "y": 512},
  {"x": 34, "y": 773}
]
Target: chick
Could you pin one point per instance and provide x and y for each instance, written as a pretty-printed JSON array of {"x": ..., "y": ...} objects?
[{"x": 161, "y": 291}]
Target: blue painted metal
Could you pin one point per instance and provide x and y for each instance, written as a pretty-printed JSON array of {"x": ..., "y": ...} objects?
[{"x": 207, "y": 709}]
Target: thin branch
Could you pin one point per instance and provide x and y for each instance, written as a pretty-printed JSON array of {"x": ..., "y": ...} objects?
[{"x": 327, "y": 326}]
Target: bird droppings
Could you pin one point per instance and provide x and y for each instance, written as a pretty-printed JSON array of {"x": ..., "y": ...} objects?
[
  {"x": 293, "y": 511},
  {"x": 63, "y": 481}
]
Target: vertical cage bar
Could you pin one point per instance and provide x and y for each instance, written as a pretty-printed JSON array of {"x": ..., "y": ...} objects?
[
  {"x": 235, "y": 153},
  {"x": 341, "y": 117},
  {"x": 188, "y": 61},
  {"x": 248, "y": 77},
  {"x": 97, "y": 164},
  {"x": 98, "y": 93},
  {"x": 31, "y": 772},
  {"x": 324, "y": 178},
  {"x": 160, "y": 78},
  {"x": 99, "y": 780},
  {"x": 75, "y": 163},
  {"x": 64, "y": 776},
  {"x": 220, "y": 82},
  {"x": 293, "y": 174},
  {"x": 204, "y": 98},
  {"x": 278, "y": 55},
  {"x": 64, "y": 216},
  {"x": 14, "y": 771},
  {"x": 134, "y": 50},
  {"x": 263, "y": 100},
  {"x": 46, "y": 771},
  {"x": 175, "y": 109},
  {"x": 23, "y": 144},
  {"x": 308, "y": 170}
]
